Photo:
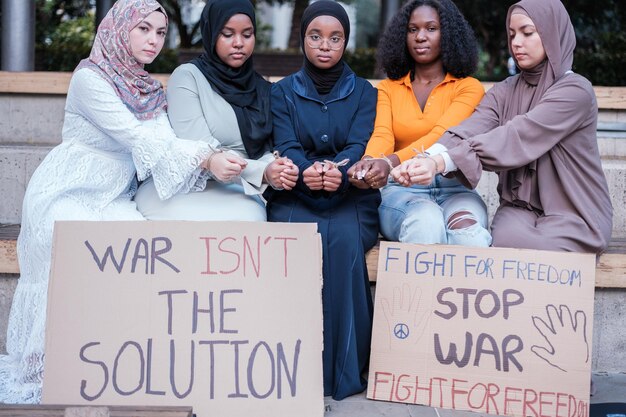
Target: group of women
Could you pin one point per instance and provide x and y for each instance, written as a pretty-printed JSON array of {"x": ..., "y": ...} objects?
[{"x": 321, "y": 145}]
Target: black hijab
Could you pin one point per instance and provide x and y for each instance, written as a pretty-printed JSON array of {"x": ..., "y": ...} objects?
[
  {"x": 324, "y": 79},
  {"x": 243, "y": 88}
]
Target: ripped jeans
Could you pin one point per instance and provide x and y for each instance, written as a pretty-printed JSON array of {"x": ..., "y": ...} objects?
[{"x": 443, "y": 212}]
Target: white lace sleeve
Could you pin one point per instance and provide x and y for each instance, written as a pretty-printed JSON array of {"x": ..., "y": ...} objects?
[
  {"x": 178, "y": 169},
  {"x": 172, "y": 162}
]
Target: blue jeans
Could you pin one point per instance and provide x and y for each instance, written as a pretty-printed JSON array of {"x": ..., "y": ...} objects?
[{"x": 421, "y": 214}]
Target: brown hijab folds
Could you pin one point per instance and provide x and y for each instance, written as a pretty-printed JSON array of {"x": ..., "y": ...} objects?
[
  {"x": 557, "y": 35},
  {"x": 559, "y": 40},
  {"x": 537, "y": 130}
]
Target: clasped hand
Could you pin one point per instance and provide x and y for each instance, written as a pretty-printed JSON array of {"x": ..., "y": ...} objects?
[
  {"x": 225, "y": 165},
  {"x": 282, "y": 173},
  {"x": 369, "y": 173},
  {"x": 322, "y": 177},
  {"x": 418, "y": 170}
]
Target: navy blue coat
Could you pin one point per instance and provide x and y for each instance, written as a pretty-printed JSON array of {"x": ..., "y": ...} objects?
[{"x": 309, "y": 128}]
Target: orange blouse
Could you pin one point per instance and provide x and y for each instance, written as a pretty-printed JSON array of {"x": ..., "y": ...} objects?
[{"x": 402, "y": 126}]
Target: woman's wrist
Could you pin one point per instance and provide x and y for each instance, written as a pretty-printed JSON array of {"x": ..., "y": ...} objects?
[
  {"x": 206, "y": 165},
  {"x": 382, "y": 158},
  {"x": 267, "y": 180},
  {"x": 439, "y": 167}
]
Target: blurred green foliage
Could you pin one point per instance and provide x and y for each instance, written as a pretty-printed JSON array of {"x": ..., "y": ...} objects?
[
  {"x": 600, "y": 41},
  {"x": 64, "y": 33},
  {"x": 606, "y": 64},
  {"x": 165, "y": 63},
  {"x": 66, "y": 45},
  {"x": 362, "y": 61}
]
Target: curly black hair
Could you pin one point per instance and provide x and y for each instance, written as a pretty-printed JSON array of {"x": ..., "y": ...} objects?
[{"x": 459, "y": 49}]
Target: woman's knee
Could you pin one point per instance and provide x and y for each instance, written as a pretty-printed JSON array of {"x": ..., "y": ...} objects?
[
  {"x": 460, "y": 220},
  {"x": 464, "y": 228},
  {"x": 423, "y": 228}
]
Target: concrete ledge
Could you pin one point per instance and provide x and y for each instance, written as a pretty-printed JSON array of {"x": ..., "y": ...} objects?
[
  {"x": 31, "y": 119},
  {"x": 8, "y": 283}
]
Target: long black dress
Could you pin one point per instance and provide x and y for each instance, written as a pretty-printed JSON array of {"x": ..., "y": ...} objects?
[{"x": 309, "y": 128}]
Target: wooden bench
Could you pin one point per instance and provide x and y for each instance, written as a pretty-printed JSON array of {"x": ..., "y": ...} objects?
[
  {"x": 610, "y": 269},
  {"x": 50, "y": 82},
  {"x": 8, "y": 253}
]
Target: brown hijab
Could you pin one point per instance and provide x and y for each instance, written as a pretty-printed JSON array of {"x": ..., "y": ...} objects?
[{"x": 557, "y": 35}]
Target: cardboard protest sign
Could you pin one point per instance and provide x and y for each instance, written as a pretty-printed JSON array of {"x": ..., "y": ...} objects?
[
  {"x": 225, "y": 317},
  {"x": 498, "y": 331}
]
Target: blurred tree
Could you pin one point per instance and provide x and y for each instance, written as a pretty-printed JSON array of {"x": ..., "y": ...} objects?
[
  {"x": 488, "y": 17},
  {"x": 296, "y": 19},
  {"x": 599, "y": 26},
  {"x": 64, "y": 32},
  {"x": 0, "y": 30},
  {"x": 387, "y": 9},
  {"x": 50, "y": 13},
  {"x": 187, "y": 32},
  {"x": 102, "y": 8},
  {"x": 368, "y": 23},
  {"x": 70, "y": 42}
]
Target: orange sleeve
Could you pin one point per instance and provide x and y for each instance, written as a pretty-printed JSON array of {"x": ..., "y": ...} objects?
[
  {"x": 467, "y": 94},
  {"x": 382, "y": 140}
]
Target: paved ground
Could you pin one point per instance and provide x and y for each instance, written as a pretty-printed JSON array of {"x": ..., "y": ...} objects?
[{"x": 609, "y": 388}]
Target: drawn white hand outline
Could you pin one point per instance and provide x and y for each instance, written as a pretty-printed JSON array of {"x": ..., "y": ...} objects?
[
  {"x": 566, "y": 336},
  {"x": 405, "y": 323}
]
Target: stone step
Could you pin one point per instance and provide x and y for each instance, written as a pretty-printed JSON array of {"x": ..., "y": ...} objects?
[{"x": 59, "y": 410}]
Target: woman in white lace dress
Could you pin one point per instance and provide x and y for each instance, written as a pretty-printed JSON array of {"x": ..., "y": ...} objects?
[{"x": 115, "y": 128}]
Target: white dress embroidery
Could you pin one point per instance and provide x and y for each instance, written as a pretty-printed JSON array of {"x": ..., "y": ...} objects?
[{"x": 89, "y": 176}]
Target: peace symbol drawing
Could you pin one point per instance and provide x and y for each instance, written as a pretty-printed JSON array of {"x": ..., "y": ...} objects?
[{"x": 401, "y": 331}]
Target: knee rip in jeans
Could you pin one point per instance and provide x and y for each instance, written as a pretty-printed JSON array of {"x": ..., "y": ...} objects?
[{"x": 461, "y": 220}]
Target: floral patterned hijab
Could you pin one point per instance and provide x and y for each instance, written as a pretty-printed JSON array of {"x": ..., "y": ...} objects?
[{"x": 111, "y": 57}]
